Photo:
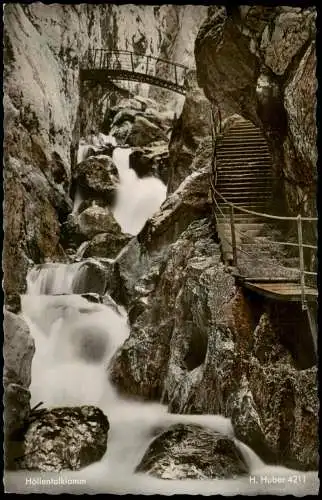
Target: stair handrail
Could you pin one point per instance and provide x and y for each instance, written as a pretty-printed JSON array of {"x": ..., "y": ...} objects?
[
  {"x": 299, "y": 219},
  {"x": 216, "y": 128},
  {"x": 263, "y": 214}
]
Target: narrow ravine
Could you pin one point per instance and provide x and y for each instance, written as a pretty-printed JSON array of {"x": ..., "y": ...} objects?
[{"x": 75, "y": 341}]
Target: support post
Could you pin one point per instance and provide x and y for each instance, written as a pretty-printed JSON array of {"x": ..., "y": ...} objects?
[
  {"x": 313, "y": 327},
  {"x": 233, "y": 235},
  {"x": 101, "y": 55},
  {"x": 132, "y": 63},
  {"x": 175, "y": 74},
  {"x": 301, "y": 256}
]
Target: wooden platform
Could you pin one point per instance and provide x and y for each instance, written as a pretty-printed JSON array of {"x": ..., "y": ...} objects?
[{"x": 281, "y": 290}]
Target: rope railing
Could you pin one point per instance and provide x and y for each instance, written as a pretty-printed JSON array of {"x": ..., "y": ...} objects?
[{"x": 302, "y": 272}]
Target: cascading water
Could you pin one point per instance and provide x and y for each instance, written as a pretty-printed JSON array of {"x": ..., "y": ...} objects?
[
  {"x": 137, "y": 199},
  {"x": 75, "y": 340}
]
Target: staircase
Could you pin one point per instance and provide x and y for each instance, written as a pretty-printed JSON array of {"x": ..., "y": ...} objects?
[{"x": 244, "y": 178}]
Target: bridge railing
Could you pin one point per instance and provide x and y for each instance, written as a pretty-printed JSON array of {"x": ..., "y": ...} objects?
[{"x": 118, "y": 61}]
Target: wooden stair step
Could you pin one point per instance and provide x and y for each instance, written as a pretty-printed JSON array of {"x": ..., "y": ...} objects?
[
  {"x": 251, "y": 140},
  {"x": 247, "y": 188},
  {"x": 243, "y": 147}
]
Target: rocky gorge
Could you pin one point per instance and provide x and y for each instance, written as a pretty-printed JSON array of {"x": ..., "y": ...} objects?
[{"x": 122, "y": 321}]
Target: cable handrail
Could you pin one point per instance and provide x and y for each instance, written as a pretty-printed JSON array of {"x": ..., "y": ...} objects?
[
  {"x": 230, "y": 219},
  {"x": 261, "y": 214}
]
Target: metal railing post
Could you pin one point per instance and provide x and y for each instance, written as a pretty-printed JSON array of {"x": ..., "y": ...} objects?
[
  {"x": 132, "y": 63},
  {"x": 233, "y": 235},
  {"x": 147, "y": 65},
  {"x": 175, "y": 74},
  {"x": 301, "y": 256}
]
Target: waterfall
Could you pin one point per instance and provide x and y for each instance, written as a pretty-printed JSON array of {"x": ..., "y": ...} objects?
[{"x": 137, "y": 199}]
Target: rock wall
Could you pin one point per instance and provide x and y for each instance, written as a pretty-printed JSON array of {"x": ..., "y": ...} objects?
[
  {"x": 260, "y": 62},
  {"x": 44, "y": 45},
  {"x": 18, "y": 351},
  {"x": 199, "y": 344}
]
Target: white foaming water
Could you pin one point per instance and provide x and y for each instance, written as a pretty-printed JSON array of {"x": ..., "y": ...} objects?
[
  {"x": 75, "y": 341},
  {"x": 78, "y": 199},
  {"x": 52, "y": 278},
  {"x": 137, "y": 199},
  {"x": 94, "y": 142}
]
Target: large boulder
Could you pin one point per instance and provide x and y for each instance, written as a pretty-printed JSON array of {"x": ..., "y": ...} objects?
[
  {"x": 106, "y": 245},
  {"x": 97, "y": 178},
  {"x": 93, "y": 277},
  {"x": 65, "y": 438},
  {"x": 95, "y": 220},
  {"x": 186, "y": 451},
  {"x": 18, "y": 351},
  {"x": 122, "y": 131},
  {"x": 152, "y": 160},
  {"x": 125, "y": 114},
  {"x": 143, "y": 132},
  {"x": 91, "y": 222}
]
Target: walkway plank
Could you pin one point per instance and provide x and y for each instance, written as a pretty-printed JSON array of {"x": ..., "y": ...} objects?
[{"x": 281, "y": 290}]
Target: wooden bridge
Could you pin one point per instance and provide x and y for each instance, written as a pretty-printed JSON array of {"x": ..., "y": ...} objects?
[
  {"x": 252, "y": 240},
  {"x": 102, "y": 66}
]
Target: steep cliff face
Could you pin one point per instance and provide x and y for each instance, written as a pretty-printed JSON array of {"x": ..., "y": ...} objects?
[
  {"x": 260, "y": 63},
  {"x": 44, "y": 45}
]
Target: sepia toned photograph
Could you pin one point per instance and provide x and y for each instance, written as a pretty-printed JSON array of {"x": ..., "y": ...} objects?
[{"x": 160, "y": 239}]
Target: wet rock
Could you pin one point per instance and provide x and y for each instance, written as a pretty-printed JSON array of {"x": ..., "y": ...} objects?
[
  {"x": 125, "y": 114},
  {"x": 151, "y": 161},
  {"x": 275, "y": 412},
  {"x": 65, "y": 438},
  {"x": 107, "y": 245},
  {"x": 95, "y": 220},
  {"x": 90, "y": 223},
  {"x": 121, "y": 132},
  {"x": 18, "y": 350},
  {"x": 92, "y": 277},
  {"x": 31, "y": 223},
  {"x": 144, "y": 132},
  {"x": 192, "y": 452},
  {"x": 192, "y": 126},
  {"x": 153, "y": 332},
  {"x": 13, "y": 303},
  {"x": 97, "y": 177},
  {"x": 93, "y": 297},
  {"x": 189, "y": 202},
  {"x": 16, "y": 401}
]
